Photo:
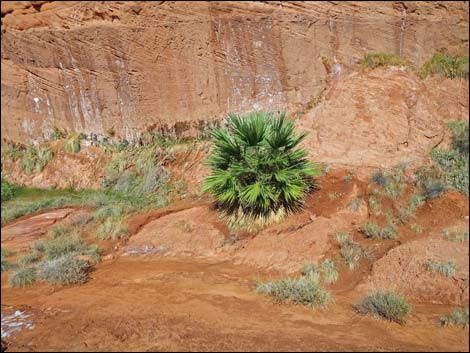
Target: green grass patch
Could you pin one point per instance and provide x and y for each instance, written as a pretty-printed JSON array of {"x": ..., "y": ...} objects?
[
  {"x": 377, "y": 59},
  {"x": 385, "y": 305}
]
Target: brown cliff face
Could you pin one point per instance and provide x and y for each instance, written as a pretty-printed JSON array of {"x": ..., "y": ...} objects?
[{"x": 92, "y": 66}]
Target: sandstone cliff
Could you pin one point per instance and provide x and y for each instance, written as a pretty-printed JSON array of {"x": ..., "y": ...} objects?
[{"x": 93, "y": 66}]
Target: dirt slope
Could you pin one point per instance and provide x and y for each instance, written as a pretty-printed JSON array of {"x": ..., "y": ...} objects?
[{"x": 154, "y": 304}]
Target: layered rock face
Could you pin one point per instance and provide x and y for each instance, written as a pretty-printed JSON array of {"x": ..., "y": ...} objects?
[{"x": 129, "y": 66}]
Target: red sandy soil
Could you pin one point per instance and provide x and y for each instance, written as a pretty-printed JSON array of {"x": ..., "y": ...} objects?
[{"x": 198, "y": 292}]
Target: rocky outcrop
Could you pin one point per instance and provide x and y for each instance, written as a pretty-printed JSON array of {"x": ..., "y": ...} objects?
[
  {"x": 383, "y": 117},
  {"x": 130, "y": 66}
]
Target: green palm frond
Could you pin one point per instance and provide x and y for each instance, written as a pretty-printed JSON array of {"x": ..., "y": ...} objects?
[{"x": 258, "y": 175}]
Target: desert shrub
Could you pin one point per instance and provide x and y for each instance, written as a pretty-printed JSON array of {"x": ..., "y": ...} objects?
[
  {"x": 94, "y": 252},
  {"x": 80, "y": 219},
  {"x": 456, "y": 236},
  {"x": 66, "y": 269},
  {"x": 258, "y": 175},
  {"x": 416, "y": 228},
  {"x": 391, "y": 181},
  {"x": 356, "y": 203},
  {"x": 58, "y": 230},
  {"x": 6, "y": 265},
  {"x": 112, "y": 228},
  {"x": 375, "y": 203},
  {"x": 341, "y": 236},
  {"x": 351, "y": 251},
  {"x": 14, "y": 151},
  {"x": 460, "y": 131},
  {"x": 60, "y": 245},
  {"x": 44, "y": 156},
  {"x": 458, "y": 317},
  {"x": 371, "y": 230},
  {"x": 23, "y": 277},
  {"x": 379, "y": 178},
  {"x": 386, "y": 305},
  {"x": 445, "y": 65},
  {"x": 329, "y": 272},
  {"x": 453, "y": 163},
  {"x": 58, "y": 134},
  {"x": 304, "y": 290},
  {"x": 73, "y": 143},
  {"x": 433, "y": 189},
  {"x": 30, "y": 156},
  {"x": 376, "y": 59},
  {"x": 28, "y": 258},
  {"x": 154, "y": 178},
  {"x": 107, "y": 211},
  {"x": 447, "y": 269},
  {"x": 407, "y": 213}
]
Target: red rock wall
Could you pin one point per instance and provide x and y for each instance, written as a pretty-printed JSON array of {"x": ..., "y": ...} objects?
[{"x": 90, "y": 66}]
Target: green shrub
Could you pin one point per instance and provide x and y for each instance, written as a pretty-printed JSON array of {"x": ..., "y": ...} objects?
[
  {"x": 23, "y": 277},
  {"x": 458, "y": 317},
  {"x": 44, "y": 156},
  {"x": 8, "y": 190},
  {"x": 371, "y": 230},
  {"x": 447, "y": 269},
  {"x": 30, "y": 156},
  {"x": 387, "y": 305},
  {"x": 376, "y": 59},
  {"x": 72, "y": 143},
  {"x": 66, "y": 269},
  {"x": 28, "y": 258},
  {"x": 304, "y": 290},
  {"x": 445, "y": 65},
  {"x": 257, "y": 174}
]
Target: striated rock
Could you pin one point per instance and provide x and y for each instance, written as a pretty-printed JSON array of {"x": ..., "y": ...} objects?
[
  {"x": 130, "y": 65},
  {"x": 382, "y": 117}
]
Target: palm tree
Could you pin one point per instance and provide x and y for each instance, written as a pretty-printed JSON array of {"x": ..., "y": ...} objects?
[{"x": 258, "y": 176}]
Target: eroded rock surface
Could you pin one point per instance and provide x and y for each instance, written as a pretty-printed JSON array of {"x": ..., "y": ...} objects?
[{"x": 91, "y": 66}]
